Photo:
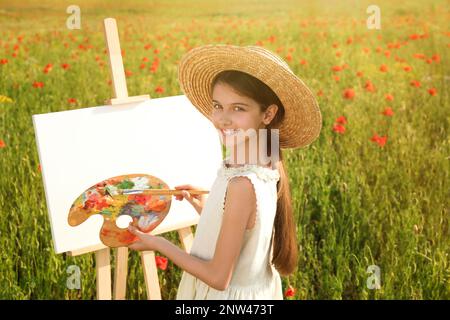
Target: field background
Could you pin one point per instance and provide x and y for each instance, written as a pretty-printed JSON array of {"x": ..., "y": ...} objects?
[{"x": 358, "y": 202}]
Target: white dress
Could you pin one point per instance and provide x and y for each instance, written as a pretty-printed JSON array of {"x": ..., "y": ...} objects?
[{"x": 254, "y": 277}]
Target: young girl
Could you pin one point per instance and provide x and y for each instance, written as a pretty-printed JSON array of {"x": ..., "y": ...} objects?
[{"x": 246, "y": 235}]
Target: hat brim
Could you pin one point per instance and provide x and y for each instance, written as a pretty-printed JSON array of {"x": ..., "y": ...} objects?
[{"x": 198, "y": 67}]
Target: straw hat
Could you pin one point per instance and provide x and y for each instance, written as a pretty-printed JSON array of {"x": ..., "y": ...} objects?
[{"x": 198, "y": 67}]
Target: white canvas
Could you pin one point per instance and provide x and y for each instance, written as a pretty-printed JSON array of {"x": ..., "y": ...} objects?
[{"x": 166, "y": 137}]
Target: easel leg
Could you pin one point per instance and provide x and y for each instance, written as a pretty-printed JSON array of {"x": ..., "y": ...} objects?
[
  {"x": 120, "y": 275},
  {"x": 186, "y": 238},
  {"x": 151, "y": 275},
  {"x": 103, "y": 269}
]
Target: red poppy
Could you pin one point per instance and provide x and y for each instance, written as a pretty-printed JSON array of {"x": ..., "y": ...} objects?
[
  {"x": 369, "y": 86},
  {"x": 290, "y": 292},
  {"x": 407, "y": 68},
  {"x": 2, "y": 143},
  {"x": 419, "y": 56},
  {"x": 159, "y": 89},
  {"x": 337, "y": 68},
  {"x": 3, "y": 61},
  {"x": 161, "y": 262},
  {"x": 38, "y": 84},
  {"x": 349, "y": 93},
  {"x": 383, "y": 68},
  {"x": 341, "y": 120},
  {"x": 303, "y": 62},
  {"x": 336, "y": 78},
  {"x": 320, "y": 93},
  {"x": 48, "y": 68},
  {"x": 289, "y": 57},
  {"x": 436, "y": 58},
  {"x": 359, "y": 74},
  {"x": 381, "y": 141},
  {"x": 39, "y": 167},
  {"x": 388, "y": 112},
  {"x": 432, "y": 91},
  {"x": 339, "y": 128},
  {"x": 72, "y": 100},
  {"x": 415, "y": 83},
  {"x": 65, "y": 66},
  {"x": 389, "y": 97}
]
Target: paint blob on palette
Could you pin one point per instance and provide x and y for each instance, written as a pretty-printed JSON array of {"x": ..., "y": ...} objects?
[{"x": 119, "y": 196}]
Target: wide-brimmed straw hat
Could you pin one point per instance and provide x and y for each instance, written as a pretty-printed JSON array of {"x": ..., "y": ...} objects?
[{"x": 197, "y": 68}]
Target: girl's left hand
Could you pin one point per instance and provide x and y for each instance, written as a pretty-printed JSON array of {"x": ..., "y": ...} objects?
[{"x": 145, "y": 242}]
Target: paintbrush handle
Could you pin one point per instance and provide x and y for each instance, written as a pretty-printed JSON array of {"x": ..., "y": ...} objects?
[{"x": 172, "y": 192}]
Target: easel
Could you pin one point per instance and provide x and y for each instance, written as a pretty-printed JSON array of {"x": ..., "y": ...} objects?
[{"x": 102, "y": 253}]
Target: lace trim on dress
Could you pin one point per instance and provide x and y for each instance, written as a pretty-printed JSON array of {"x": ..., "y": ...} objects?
[{"x": 264, "y": 173}]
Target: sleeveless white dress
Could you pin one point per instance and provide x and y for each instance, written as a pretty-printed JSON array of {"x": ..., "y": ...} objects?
[{"x": 254, "y": 277}]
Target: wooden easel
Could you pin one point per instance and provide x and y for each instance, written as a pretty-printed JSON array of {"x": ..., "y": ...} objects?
[{"x": 102, "y": 253}]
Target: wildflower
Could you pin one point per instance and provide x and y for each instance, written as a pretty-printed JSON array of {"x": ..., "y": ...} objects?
[
  {"x": 388, "y": 112},
  {"x": 436, "y": 58},
  {"x": 339, "y": 128},
  {"x": 65, "y": 66},
  {"x": 48, "y": 68},
  {"x": 72, "y": 100},
  {"x": 381, "y": 141},
  {"x": 3, "y": 61},
  {"x": 2, "y": 144},
  {"x": 161, "y": 262},
  {"x": 349, "y": 93},
  {"x": 369, "y": 86},
  {"x": 415, "y": 83},
  {"x": 389, "y": 97},
  {"x": 38, "y": 84},
  {"x": 341, "y": 120},
  {"x": 407, "y": 68},
  {"x": 159, "y": 89},
  {"x": 290, "y": 292},
  {"x": 5, "y": 99},
  {"x": 432, "y": 91},
  {"x": 383, "y": 68}
]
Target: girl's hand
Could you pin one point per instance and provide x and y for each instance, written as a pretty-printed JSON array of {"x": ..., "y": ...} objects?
[
  {"x": 197, "y": 201},
  {"x": 145, "y": 242}
]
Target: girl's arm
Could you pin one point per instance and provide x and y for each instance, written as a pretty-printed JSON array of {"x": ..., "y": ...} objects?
[{"x": 240, "y": 203}]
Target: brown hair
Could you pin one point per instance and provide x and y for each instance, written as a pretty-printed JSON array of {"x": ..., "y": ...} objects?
[{"x": 285, "y": 250}]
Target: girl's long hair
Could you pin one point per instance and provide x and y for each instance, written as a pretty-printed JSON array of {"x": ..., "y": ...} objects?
[{"x": 285, "y": 251}]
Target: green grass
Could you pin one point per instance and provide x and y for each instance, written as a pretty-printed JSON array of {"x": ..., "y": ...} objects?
[{"x": 356, "y": 204}]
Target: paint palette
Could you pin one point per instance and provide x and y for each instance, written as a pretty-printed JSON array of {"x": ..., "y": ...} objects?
[{"x": 134, "y": 195}]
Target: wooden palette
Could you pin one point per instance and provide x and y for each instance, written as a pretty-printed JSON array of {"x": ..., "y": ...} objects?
[{"x": 136, "y": 195}]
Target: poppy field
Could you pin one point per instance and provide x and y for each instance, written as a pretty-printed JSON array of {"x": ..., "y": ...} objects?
[{"x": 370, "y": 195}]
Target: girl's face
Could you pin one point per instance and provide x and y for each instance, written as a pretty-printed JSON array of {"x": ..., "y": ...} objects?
[{"x": 232, "y": 111}]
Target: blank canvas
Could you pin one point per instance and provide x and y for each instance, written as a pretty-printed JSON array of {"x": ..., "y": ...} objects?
[{"x": 165, "y": 137}]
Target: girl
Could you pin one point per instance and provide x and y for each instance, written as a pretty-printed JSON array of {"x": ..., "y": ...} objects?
[{"x": 246, "y": 236}]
